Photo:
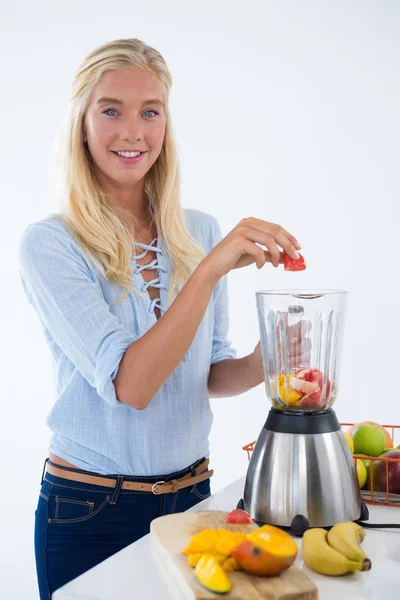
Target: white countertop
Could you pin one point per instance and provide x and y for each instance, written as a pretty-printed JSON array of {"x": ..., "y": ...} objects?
[{"x": 135, "y": 571}]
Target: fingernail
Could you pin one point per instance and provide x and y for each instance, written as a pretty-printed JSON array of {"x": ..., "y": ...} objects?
[{"x": 296, "y": 255}]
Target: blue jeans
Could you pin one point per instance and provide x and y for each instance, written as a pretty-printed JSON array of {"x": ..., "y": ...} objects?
[{"x": 78, "y": 525}]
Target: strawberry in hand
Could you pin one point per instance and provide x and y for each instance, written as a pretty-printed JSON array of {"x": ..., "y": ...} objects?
[{"x": 293, "y": 264}]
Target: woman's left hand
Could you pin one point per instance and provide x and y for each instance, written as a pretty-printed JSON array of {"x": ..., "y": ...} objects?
[
  {"x": 299, "y": 349},
  {"x": 257, "y": 360}
]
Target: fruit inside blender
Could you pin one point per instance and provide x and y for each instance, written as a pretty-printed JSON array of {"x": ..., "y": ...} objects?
[
  {"x": 295, "y": 382},
  {"x": 303, "y": 387}
]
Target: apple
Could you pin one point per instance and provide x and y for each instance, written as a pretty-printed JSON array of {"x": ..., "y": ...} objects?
[
  {"x": 388, "y": 437},
  {"x": 369, "y": 440},
  {"x": 379, "y": 473}
]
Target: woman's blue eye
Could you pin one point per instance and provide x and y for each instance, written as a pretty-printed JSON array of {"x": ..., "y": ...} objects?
[{"x": 108, "y": 110}]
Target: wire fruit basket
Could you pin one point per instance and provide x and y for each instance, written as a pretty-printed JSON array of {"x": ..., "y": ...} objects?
[{"x": 391, "y": 469}]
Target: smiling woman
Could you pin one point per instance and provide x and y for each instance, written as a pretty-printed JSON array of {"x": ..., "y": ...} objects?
[
  {"x": 134, "y": 132},
  {"x": 134, "y": 371}
]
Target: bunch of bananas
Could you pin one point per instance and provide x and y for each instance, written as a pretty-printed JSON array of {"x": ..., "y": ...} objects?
[{"x": 336, "y": 551}]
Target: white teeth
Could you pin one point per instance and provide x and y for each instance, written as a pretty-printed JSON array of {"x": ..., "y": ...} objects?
[{"x": 128, "y": 154}]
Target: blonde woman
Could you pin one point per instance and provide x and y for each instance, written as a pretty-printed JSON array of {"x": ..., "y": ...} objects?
[{"x": 130, "y": 291}]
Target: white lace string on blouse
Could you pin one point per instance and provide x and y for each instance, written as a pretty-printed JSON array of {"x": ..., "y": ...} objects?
[{"x": 156, "y": 283}]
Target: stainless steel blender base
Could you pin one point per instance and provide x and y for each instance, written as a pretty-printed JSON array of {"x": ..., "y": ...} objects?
[{"x": 309, "y": 474}]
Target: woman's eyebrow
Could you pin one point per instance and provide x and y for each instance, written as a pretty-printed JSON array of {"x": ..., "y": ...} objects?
[{"x": 116, "y": 101}]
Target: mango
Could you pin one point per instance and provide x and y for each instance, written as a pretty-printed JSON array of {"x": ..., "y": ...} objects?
[
  {"x": 204, "y": 541},
  {"x": 212, "y": 576},
  {"x": 230, "y": 564},
  {"x": 266, "y": 551},
  {"x": 193, "y": 559},
  {"x": 229, "y": 541},
  {"x": 291, "y": 397},
  {"x": 222, "y": 532}
]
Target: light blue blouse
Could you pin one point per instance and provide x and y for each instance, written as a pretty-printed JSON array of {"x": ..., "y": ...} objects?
[{"x": 87, "y": 338}]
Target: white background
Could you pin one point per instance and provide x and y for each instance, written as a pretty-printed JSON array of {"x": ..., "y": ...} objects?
[{"x": 285, "y": 111}]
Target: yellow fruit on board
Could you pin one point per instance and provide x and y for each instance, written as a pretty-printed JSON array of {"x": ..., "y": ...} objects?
[
  {"x": 211, "y": 575},
  {"x": 204, "y": 541},
  {"x": 266, "y": 551},
  {"x": 273, "y": 539},
  {"x": 229, "y": 541},
  {"x": 350, "y": 442},
  {"x": 230, "y": 564},
  {"x": 193, "y": 559},
  {"x": 222, "y": 532}
]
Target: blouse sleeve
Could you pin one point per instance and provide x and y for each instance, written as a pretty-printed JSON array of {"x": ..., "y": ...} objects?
[
  {"x": 221, "y": 345},
  {"x": 64, "y": 293}
]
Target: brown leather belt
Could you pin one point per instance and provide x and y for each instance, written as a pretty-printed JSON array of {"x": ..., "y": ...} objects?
[{"x": 160, "y": 487}]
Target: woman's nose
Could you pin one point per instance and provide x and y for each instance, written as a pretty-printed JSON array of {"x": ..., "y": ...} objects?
[{"x": 132, "y": 130}]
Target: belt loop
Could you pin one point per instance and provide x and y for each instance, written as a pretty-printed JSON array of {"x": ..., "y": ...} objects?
[
  {"x": 193, "y": 472},
  {"x": 114, "y": 497},
  {"x": 44, "y": 469},
  {"x": 194, "y": 466}
]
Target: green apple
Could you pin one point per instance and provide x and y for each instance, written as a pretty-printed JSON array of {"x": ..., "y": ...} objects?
[{"x": 369, "y": 440}]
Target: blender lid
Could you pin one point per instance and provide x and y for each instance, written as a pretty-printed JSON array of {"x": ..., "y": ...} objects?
[{"x": 302, "y": 294}]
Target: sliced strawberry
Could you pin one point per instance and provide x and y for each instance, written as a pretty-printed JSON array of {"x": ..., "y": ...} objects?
[
  {"x": 293, "y": 264},
  {"x": 239, "y": 516}
]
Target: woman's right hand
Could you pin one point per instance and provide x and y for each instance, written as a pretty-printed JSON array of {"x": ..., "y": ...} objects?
[{"x": 239, "y": 248}]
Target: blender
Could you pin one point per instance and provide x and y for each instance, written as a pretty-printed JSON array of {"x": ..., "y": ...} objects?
[{"x": 301, "y": 473}]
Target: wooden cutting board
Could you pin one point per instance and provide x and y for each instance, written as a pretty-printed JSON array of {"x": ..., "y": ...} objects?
[{"x": 172, "y": 533}]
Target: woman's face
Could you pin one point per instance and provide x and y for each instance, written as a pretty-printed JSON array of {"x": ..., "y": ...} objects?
[{"x": 132, "y": 119}]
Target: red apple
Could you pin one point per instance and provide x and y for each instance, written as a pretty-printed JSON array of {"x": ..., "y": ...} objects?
[{"x": 379, "y": 473}]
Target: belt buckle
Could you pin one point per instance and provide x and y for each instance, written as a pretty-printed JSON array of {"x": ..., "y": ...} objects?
[{"x": 153, "y": 488}]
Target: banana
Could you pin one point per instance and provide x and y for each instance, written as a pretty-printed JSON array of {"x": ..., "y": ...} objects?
[
  {"x": 346, "y": 538},
  {"x": 321, "y": 557}
]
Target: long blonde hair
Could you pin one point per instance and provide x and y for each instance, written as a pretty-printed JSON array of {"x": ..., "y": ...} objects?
[{"x": 102, "y": 229}]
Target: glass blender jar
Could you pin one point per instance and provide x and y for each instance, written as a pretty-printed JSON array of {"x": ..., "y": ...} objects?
[
  {"x": 301, "y": 473},
  {"x": 301, "y": 341}
]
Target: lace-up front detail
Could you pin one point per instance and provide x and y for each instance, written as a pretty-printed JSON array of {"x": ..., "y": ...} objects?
[{"x": 155, "y": 303}]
